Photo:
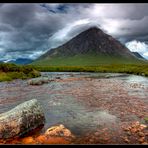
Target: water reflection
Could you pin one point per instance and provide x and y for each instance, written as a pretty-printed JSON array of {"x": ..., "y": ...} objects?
[{"x": 61, "y": 106}]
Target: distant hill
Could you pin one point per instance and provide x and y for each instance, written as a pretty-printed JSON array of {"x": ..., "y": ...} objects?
[
  {"x": 20, "y": 61},
  {"x": 138, "y": 55},
  {"x": 90, "y": 48}
]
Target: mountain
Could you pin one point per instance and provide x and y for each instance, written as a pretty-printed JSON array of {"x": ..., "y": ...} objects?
[
  {"x": 89, "y": 48},
  {"x": 138, "y": 55},
  {"x": 20, "y": 61}
]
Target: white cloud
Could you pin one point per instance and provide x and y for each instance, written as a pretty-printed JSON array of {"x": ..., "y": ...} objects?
[
  {"x": 137, "y": 46},
  {"x": 108, "y": 10},
  {"x": 27, "y": 32},
  {"x": 62, "y": 35},
  {"x": 114, "y": 19},
  {"x": 112, "y": 26},
  {"x": 146, "y": 54},
  {"x": 35, "y": 55},
  {"x": 6, "y": 61},
  {"x": 1, "y": 50}
]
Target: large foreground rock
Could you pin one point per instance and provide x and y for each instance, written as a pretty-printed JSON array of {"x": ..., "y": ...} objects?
[{"x": 22, "y": 119}]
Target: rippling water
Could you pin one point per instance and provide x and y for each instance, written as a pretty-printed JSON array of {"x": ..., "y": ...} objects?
[{"x": 61, "y": 104}]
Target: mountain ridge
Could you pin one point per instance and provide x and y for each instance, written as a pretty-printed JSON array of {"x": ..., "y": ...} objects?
[
  {"x": 92, "y": 38},
  {"x": 138, "y": 55},
  {"x": 19, "y": 61},
  {"x": 92, "y": 41}
]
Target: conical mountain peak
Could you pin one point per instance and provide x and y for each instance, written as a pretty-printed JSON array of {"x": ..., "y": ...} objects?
[
  {"x": 93, "y": 28},
  {"x": 92, "y": 41}
]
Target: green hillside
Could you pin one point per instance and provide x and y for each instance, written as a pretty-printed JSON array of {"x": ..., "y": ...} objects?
[
  {"x": 92, "y": 50},
  {"x": 85, "y": 60},
  {"x": 93, "y": 63}
]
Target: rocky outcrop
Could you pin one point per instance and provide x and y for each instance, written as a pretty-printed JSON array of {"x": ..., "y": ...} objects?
[
  {"x": 38, "y": 81},
  {"x": 59, "y": 131},
  {"x": 22, "y": 119},
  {"x": 90, "y": 41},
  {"x": 58, "y": 134}
]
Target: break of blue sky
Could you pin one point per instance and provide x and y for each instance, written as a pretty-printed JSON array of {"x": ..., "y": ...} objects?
[
  {"x": 29, "y": 30},
  {"x": 55, "y": 8}
]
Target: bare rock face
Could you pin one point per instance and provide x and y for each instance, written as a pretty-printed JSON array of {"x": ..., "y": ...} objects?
[
  {"x": 92, "y": 40},
  {"x": 22, "y": 119}
]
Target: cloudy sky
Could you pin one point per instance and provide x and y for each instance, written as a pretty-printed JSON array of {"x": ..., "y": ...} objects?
[{"x": 29, "y": 30}]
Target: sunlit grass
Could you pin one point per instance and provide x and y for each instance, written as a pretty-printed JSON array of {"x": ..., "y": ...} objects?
[
  {"x": 4, "y": 77},
  {"x": 139, "y": 69},
  {"x": 93, "y": 63},
  {"x": 86, "y": 60},
  {"x": 9, "y": 72}
]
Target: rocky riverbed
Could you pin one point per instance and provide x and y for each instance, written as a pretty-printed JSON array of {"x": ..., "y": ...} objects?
[{"x": 98, "y": 108}]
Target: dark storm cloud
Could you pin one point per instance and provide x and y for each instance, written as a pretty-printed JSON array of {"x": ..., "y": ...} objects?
[
  {"x": 16, "y": 14},
  {"x": 5, "y": 28},
  {"x": 28, "y": 30},
  {"x": 25, "y": 27}
]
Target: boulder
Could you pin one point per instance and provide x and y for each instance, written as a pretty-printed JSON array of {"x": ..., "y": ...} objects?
[
  {"x": 38, "y": 81},
  {"x": 59, "y": 131},
  {"x": 21, "y": 119}
]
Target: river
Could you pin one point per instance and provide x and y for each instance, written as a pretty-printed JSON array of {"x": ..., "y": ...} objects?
[{"x": 81, "y": 101}]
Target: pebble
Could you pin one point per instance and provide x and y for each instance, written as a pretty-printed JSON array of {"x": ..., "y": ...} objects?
[
  {"x": 144, "y": 143},
  {"x": 141, "y": 134},
  {"x": 128, "y": 133},
  {"x": 126, "y": 139},
  {"x": 96, "y": 134},
  {"x": 141, "y": 140},
  {"x": 133, "y": 130},
  {"x": 142, "y": 126},
  {"x": 91, "y": 140},
  {"x": 126, "y": 129}
]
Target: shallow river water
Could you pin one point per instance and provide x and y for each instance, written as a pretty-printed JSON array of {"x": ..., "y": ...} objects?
[{"x": 64, "y": 102}]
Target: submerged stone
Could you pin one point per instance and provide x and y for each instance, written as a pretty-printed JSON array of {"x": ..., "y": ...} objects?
[{"x": 60, "y": 131}]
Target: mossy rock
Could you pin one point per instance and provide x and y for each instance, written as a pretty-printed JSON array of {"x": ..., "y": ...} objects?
[{"x": 21, "y": 119}]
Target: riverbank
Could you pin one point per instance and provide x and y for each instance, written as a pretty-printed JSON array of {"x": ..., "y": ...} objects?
[
  {"x": 137, "y": 69},
  {"x": 9, "y": 72}
]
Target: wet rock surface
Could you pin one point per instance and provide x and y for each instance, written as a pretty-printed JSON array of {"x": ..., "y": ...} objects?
[
  {"x": 59, "y": 130},
  {"x": 22, "y": 119},
  {"x": 54, "y": 135}
]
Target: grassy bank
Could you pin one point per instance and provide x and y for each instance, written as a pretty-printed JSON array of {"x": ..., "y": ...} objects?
[
  {"x": 93, "y": 63},
  {"x": 86, "y": 60},
  {"x": 9, "y": 72},
  {"x": 138, "y": 69}
]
